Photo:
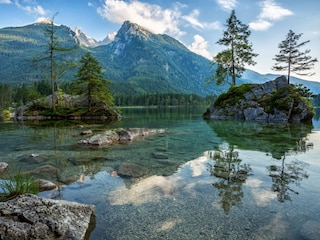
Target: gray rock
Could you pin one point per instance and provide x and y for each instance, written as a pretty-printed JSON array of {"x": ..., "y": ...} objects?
[
  {"x": 250, "y": 107},
  {"x": 129, "y": 134},
  {"x": 310, "y": 230},
  {"x": 119, "y": 135},
  {"x": 86, "y": 132},
  {"x": 3, "y": 166},
  {"x": 45, "y": 185},
  {"x": 131, "y": 170},
  {"x": 32, "y": 217},
  {"x": 106, "y": 138},
  {"x": 160, "y": 155}
]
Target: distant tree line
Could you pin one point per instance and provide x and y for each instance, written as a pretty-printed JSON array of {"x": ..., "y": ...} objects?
[
  {"x": 23, "y": 94},
  {"x": 163, "y": 99}
]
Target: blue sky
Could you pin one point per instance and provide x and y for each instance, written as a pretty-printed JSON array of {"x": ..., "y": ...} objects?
[{"x": 198, "y": 24}]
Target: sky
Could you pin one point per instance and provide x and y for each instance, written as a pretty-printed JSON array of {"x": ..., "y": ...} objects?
[{"x": 198, "y": 24}]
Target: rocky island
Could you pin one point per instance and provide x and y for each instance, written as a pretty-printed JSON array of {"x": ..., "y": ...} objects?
[
  {"x": 68, "y": 107},
  {"x": 273, "y": 101}
]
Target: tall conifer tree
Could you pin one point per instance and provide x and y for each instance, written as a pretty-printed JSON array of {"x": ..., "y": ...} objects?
[
  {"x": 291, "y": 58},
  {"x": 231, "y": 62},
  {"x": 90, "y": 81}
]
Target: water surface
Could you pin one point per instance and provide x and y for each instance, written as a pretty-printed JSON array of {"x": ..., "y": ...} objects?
[{"x": 203, "y": 179}]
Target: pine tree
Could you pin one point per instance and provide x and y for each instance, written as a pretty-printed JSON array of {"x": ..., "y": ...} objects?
[
  {"x": 90, "y": 81},
  {"x": 293, "y": 60},
  {"x": 231, "y": 62},
  {"x": 57, "y": 70}
]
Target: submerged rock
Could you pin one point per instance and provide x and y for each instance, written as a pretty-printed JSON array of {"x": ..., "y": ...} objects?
[
  {"x": 131, "y": 170},
  {"x": 32, "y": 217},
  {"x": 45, "y": 185},
  {"x": 3, "y": 166}
]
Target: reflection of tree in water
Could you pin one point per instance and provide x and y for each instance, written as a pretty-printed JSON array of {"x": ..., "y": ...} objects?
[
  {"x": 278, "y": 140},
  {"x": 289, "y": 173},
  {"x": 231, "y": 176}
]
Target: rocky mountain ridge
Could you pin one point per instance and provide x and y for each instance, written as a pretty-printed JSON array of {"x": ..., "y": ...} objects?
[{"x": 136, "y": 61}]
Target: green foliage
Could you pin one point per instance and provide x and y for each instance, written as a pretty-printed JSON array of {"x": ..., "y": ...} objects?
[
  {"x": 59, "y": 111},
  {"x": 291, "y": 59},
  {"x": 231, "y": 62},
  {"x": 90, "y": 81},
  {"x": 283, "y": 99},
  {"x": 233, "y": 95},
  {"x": 6, "y": 95},
  {"x": 17, "y": 184}
]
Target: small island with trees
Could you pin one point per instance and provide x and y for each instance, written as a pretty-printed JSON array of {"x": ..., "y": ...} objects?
[{"x": 274, "y": 101}]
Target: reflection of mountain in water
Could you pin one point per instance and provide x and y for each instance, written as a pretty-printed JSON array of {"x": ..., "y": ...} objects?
[{"x": 277, "y": 139}]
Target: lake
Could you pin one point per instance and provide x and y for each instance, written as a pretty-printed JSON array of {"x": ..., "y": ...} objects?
[{"x": 203, "y": 179}]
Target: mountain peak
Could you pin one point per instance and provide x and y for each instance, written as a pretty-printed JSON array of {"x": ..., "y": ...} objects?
[
  {"x": 84, "y": 39},
  {"x": 132, "y": 29},
  {"x": 43, "y": 20}
]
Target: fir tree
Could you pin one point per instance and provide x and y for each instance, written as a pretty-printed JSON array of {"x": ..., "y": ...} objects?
[
  {"x": 90, "y": 81},
  {"x": 292, "y": 59},
  {"x": 231, "y": 62}
]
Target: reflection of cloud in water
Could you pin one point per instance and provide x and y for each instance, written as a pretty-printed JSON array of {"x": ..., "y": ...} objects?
[
  {"x": 277, "y": 228},
  {"x": 198, "y": 166},
  {"x": 261, "y": 196},
  {"x": 153, "y": 188},
  {"x": 168, "y": 225}
]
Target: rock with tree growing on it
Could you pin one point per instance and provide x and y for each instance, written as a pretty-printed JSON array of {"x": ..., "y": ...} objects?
[{"x": 273, "y": 101}]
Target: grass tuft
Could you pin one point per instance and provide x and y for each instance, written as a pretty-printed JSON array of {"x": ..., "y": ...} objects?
[{"x": 17, "y": 184}]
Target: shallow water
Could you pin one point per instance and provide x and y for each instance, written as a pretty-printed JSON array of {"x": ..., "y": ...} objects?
[{"x": 205, "y": 179}]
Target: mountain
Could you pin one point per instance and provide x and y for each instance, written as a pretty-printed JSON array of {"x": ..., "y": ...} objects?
[
  {"x": 88, "y": 41},
  {"x": 21, "y": 49},
  {"x": 136, "y": 61}
]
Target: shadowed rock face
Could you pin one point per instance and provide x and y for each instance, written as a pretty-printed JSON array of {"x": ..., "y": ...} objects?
[
  {"x": 257, "y": 105},
  {"x": 32, "y": 217}
]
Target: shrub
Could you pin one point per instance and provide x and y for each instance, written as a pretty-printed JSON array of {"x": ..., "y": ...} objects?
[
  {"x": 17, "y": 184},
  {"x": 233, "y": 95}
]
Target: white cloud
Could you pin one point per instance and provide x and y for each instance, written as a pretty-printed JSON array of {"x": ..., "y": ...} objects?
[
  {"x": 153, "y": 17},
  {"x": 33, "y": 8},
  {"x": 5, "y": 1},
  {"x": 200, "y": 46},
  {"x": 227, "y": 4},
  {"x": 270, "y": 12},
  {"x": 193, "y": 20},
  {"x": 149, "y": 16},
  {"x": 260, "y": 25}
]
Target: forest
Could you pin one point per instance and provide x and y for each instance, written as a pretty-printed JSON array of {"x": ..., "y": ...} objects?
[{"x": 21, "y": 95}]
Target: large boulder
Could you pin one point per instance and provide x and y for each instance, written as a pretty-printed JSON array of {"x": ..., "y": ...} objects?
[
  {"x": 111, "y": 137},
  {"x": 273, "y": 101},
  {"x": 32, "y": 217}
]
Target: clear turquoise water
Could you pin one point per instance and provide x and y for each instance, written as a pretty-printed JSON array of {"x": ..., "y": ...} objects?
[{"x": 213, "y": 179}]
